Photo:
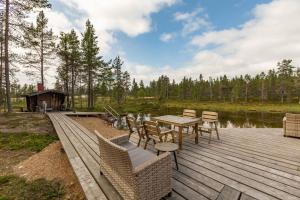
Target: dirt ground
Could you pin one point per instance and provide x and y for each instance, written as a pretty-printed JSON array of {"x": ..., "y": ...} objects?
[
  {"x": 8, "y": 159},
  {"x": 94, "y": 123},
  {"x": 25, "y": 122},
  {"x": 51, "y": 163}
]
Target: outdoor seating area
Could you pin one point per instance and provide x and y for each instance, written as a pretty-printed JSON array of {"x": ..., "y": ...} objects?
[{"x": 239, "y": 166}]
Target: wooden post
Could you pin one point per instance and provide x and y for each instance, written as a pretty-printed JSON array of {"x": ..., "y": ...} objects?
[{"x": 180, "y": 137}]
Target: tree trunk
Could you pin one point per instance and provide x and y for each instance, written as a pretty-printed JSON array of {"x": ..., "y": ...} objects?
[
  {"x": 1, "y": 63},
  {"x": 89, "y": 89},
  {"x": 262, "y": 91},
  {"x": 72, "y": 89},
  {"x": 246, "y": 95},
  {"x": 42, "y": 60},
  {"x": 7, "y": 81}
]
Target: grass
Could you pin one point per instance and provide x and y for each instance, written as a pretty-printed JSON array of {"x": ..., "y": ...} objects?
[
  {"x": 29, "y": 141},
  {"x": 235, "y": 107},
  {"x": 146, "y": 105},
  {"x": 154, "y": 106},
  {"x": 14, "y": 187}
]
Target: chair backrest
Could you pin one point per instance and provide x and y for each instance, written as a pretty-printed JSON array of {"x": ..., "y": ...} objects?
[
  {"x": 292, "y": 121},
  {"x": 189, "y": 113},
  {"x": 151, "y": 128},
  {"x": 292, "y": 117},
  {"x": 131, "y": 122},
  {"x": 208, "y": 116},
  {"x": 114, "y": 157}
]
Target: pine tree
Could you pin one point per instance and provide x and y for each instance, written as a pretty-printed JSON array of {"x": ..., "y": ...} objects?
[
  {"x": 118, "y": 85},
  {"x": 40, "y": 45},
  {"x": 75, "y": 62},
  {"x": 91, "y": 60},
  {"x": 134, "y": 89},
  {"x": 63, "y": 70},
  {"x": 16, "y": 12},
  {"x": 126, "y": 83}
]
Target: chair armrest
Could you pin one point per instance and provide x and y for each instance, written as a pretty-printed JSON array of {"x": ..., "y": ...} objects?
[
  {"x": 159, "y": 162},
  {"x": 120, "y": 139}
]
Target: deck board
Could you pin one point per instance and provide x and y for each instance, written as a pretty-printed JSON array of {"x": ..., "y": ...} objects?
[{"x": 246, "y": 164}]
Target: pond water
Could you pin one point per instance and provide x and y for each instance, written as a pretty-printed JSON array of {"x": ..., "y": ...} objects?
[{"x": 228, "y": 119}]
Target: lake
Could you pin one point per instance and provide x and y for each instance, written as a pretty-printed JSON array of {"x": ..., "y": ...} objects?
[{"x": 229, "y": 119}]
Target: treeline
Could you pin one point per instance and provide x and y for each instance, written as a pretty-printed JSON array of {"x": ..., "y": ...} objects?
[
  {"x": 277, "y": 85},
  {"x": 81, "y": 69}
]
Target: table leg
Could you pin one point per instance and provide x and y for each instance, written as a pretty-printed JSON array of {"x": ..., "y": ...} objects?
[
  {"x": 174, "y": 152},
  {"x": 158, "y": 152},
  {"x": 196, "y": 133},
  {"x": 180, "y": 137}
]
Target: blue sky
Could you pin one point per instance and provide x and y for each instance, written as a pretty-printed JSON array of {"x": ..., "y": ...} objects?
[{"x": 187, "y": 37}]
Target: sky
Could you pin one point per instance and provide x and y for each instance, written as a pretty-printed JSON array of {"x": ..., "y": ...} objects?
[{"x": 181, "y": 38}]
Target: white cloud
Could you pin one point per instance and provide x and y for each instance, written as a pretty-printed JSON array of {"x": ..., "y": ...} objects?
[
  {"x": 270, "y": 36},
  {"x": 257, "y": 45},
  {"x": 132, "y": 17},
  {"x": 166, "y": 37},
  {"x": 192, "y": 21}
]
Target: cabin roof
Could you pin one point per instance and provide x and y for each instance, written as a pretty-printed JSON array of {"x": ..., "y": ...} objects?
[{"x": 45, "y": 92}]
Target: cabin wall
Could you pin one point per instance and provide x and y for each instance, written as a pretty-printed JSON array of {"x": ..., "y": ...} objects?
[{"x": 53, "y": 100}]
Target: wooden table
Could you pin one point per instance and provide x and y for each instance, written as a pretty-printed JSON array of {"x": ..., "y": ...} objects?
[
  {"x": 180, "y": 122},
  {"x": 167, "y": 147}
]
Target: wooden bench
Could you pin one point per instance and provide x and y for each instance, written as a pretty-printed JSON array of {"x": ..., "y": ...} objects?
[{"x": 81, "y": 147}]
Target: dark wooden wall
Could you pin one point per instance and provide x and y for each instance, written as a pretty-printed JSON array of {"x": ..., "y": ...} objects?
[{"x": 53, "y": 100}]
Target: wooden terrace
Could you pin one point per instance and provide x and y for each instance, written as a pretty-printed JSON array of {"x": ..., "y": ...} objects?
[{"x": 245, "y": 164}]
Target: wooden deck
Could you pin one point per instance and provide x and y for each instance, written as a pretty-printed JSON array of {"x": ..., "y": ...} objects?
[{"x": 246, "y": 164}]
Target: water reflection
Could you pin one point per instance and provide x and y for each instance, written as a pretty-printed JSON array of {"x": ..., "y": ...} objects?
[{"x": 227, "y": 119}]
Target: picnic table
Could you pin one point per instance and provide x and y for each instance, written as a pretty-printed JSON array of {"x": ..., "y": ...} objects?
[{"x": 180, "y": 122}]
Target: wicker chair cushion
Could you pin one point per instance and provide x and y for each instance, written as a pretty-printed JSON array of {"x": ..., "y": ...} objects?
[
  {"x": 139, "y": 156},
  {"x": 128, "y": 145}
]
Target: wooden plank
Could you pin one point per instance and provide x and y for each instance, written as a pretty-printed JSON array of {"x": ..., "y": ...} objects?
[
  {"x": 177, "y": 120},
  {"x": 90, "y": 162},
  {"x": 239, "y": 178},
  {"x": 186, "y": 191},
  {"x": 195, "y": 185},
  {"x": 220, "y": 178},
  {"x": 246, "y": 197},
  {"x": 247, "y": 152},
  {"x": 244, "y": 173},
  {"x": 91, "y": 189},
  {"x": 228, "y": 193},
  {"x": 254, "y": 170},
  {"x": 235, "y": 156}
]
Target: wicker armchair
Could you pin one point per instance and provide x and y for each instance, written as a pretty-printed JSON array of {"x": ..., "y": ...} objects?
[
  {"x": 291, "y": 125},
  {"x": 137, "y": 173}
]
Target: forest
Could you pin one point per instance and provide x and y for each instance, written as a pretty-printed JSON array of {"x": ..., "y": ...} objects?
[{"x": 82, "y": 71}]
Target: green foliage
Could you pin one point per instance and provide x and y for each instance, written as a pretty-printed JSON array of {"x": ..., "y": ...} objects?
[
  {"x": 40, "y": 45},
  {"x": 28, "y": 141},
  {"x": 283, "y": 85},
  {"x": 70, "y": 68},
  {"x": 91, "y": 60},
  {"x": 14, "y": 187}
]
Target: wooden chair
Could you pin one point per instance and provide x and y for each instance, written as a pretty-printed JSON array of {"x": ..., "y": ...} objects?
[
  {"x": 210, "y": 118},
  {"x": 155, "y": 133},
  {"x": 291, "y": 125},
  {"x": 188, "y": 113},
  {"x": 134, "y": 127}
]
